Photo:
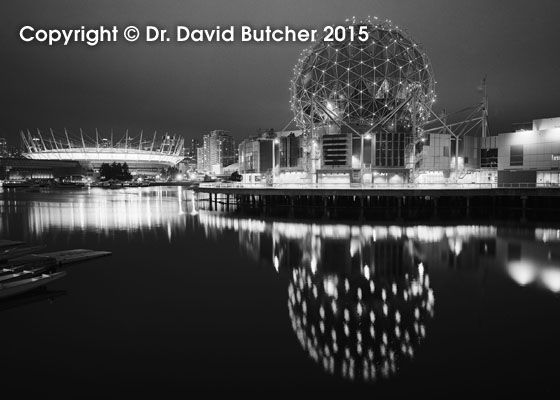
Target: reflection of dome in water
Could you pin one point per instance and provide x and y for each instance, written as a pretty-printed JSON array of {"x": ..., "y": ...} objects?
[
  {"x": 361, "y": 326},
  {"x": 359, "y": 82}
]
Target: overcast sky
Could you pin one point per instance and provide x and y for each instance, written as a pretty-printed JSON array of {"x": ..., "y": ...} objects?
[{"x": 193, "y": 88}]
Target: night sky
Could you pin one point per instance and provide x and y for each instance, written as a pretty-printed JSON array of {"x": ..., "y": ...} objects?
[{"x": 191, "y": 88}]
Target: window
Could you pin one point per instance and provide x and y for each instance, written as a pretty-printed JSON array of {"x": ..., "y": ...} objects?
[
  {"x": 445, "y": 151},
  {"x": 389, "y": 149},
  {"x": 516, "y": 155},
  {"x": 488, "y": 158}
]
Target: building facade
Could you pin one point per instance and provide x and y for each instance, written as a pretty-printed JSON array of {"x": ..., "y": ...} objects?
[
  {"x": 256, "y": 157},
  {"x": 218, "y": 151},
  {"x": 530, "y": 157},
  {"x": 191, "y": 154},
  {"x": 200, "y": 160},
  {"x": 19, "y": 169}
]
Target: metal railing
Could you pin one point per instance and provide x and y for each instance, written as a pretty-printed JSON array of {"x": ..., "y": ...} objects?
[{"x": 381, "y": 186}]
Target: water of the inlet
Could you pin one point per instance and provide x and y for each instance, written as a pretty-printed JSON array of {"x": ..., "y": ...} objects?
[{"x": 196, "y": 298}]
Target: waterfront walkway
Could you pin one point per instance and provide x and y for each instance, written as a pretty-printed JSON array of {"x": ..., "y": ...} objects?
[
  {"x": 520, "y": 202},
  {"x": 387, "y": 190}
]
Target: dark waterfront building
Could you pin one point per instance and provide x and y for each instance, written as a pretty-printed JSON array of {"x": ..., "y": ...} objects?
[
  {"x": 255, "y": 154},
  {"x": 22, "y": 169},
  {"x": 290, "y": 152}
]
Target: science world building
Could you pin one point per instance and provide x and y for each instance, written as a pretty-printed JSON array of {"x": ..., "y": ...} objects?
[
  {"x": 364, "y": 115},
  {"x": 362, "y": 104}
]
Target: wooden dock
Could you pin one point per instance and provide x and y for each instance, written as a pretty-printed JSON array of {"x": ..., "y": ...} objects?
[
  {"x": 384, "y": 203},
  {"x": 23, "y": 268},
  {"x": 61, "y": 258}
]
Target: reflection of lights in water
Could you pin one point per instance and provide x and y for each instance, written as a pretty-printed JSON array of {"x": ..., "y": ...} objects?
[
  {"x": 455, "y": 245},
  {"x": 551, "y": 279},
  {"x": 313, "y": 263},
  {"x": 180, "y": 199},
  {"x": 365, "y": 320},
  {"x": 193, "y": 203},
  {"x": 547, "y": 235},
  {"x": 98, "y": 209},
  {"x": 215, "y": 221},
  {"x": 358, "y": 326},
  {"x": 525, "y": 272},
  {"x": 365, "y": 233},
  {"x": 354, "y": 246},
  {"x": 455, "y": 238},
  {"x": 522, "y": 272}
]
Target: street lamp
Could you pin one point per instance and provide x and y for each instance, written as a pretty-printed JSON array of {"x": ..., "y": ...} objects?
[
  {"x": 313, "y": 160},
  {"x": 362, "y": 137},
  {"x": 274, "y": 143}
]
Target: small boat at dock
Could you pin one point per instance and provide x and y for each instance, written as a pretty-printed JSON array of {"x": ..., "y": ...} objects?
[
  {"x": 24, "y": 285},
  {"x": 18, "y": 251},
  {"x": 23, "y": 270}
]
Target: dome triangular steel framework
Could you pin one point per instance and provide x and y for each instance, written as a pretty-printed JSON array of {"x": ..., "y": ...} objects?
[{"x": 360, "y": 83}]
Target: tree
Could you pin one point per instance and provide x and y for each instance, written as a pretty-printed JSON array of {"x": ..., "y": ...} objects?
[
  {"x": 236, "y": 177},
  {"x": 126, "y": 175},
  {"x": 105, "y": 172},
  {"x": 115, "y": 171}
]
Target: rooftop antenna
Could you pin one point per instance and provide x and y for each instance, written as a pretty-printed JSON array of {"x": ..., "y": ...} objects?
[{"x": 484, "y": 108}]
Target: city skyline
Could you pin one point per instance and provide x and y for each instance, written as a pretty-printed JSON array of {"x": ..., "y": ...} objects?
[{"x": 191, "y": 89}]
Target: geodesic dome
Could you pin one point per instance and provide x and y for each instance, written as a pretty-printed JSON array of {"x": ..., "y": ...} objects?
[{"x": 360, "y": 83}]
